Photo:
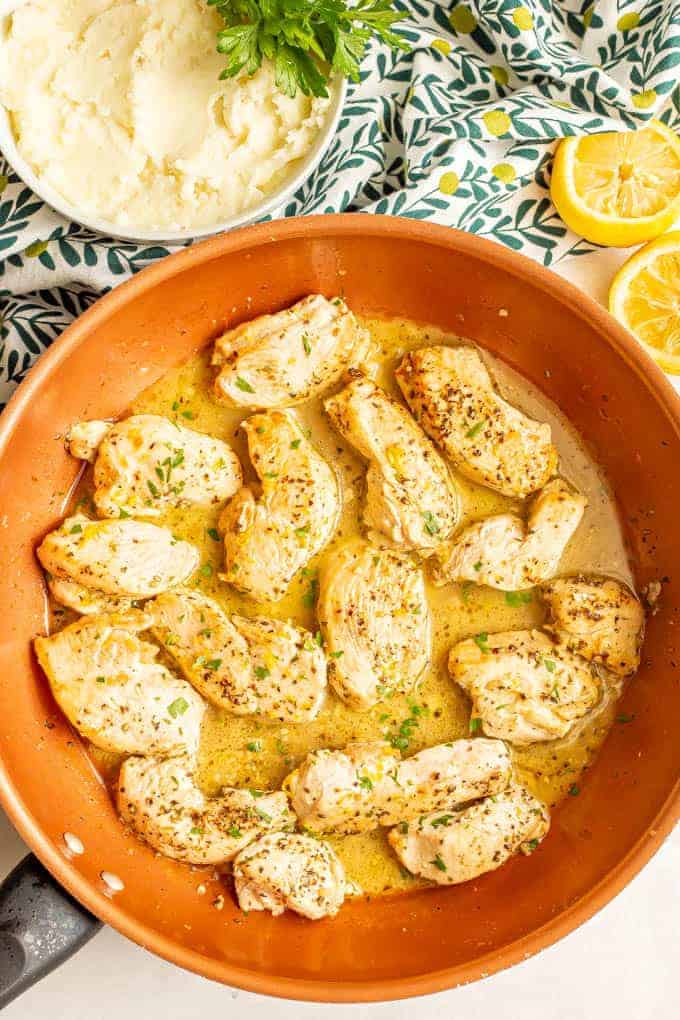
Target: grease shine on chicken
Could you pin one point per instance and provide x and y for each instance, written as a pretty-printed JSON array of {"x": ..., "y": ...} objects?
[
  {"x": 284, "y": 359},
  {"x": 108, "y": 683},
  {"x": 410, "y": 495},
  {"x": 147, "y": 463},
  {"x": 270, "y": 536},
  {"x": 458, "y": 844},
  {"x": 453, "y": 397},
  {"x": 162, "y": 804},
  {"x": 374, "y": 615},
  {"x": 504, "y": 552},
  {"x": 247, "y": 666}
]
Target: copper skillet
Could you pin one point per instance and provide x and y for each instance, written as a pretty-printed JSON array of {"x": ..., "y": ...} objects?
[{"x": 400, "y": 946}]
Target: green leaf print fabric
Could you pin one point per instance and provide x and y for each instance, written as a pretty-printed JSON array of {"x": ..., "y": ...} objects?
[{"x": 460, "y": 131}]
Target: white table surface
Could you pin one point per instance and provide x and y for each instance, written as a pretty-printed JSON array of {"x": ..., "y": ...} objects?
[{"x": 622, "y": 964}]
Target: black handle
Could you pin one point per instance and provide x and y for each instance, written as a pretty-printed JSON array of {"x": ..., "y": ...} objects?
[{"x": 40, "y": 927}]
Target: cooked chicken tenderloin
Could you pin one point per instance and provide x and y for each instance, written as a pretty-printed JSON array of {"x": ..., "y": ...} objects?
[
  {"x": 410, "y": 495},
  {"x": 504, "y": 552},
  {"x": 161, "y": 802},
  {"x": 131, "y": 558},
  {"x": 459, "y": 844},
  {"x": 270, "y": 537},
  {"x": 453, "y": 397},
  {"x": 286, "y": 871},
  {"x": 247, "y": 666},
  {"x": 524, "y": 688},
  {"x": 598, "y": 618},
  {"x": 107, "y": 682},
  {"x": 147, "y": 463},
  {"x": 374, "y": 615},
  {"x": 283, "y": 359},
  {"x": 367, "y": 784}
]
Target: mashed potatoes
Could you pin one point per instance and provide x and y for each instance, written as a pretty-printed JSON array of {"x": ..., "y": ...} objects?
[{"x": 117, "y": 104}]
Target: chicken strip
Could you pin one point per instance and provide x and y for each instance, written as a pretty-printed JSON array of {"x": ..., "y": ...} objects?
[
  {"x": 367, "y": 784},
  {"x": 376, "y": 622},
  {"x": 147, "y": 463},
  {"x": 128, "y": 558},
  {"x": 162, "y": 803},
  {"x": 410, "y": 495},
  {"x": 598, "y": 618},
  {"x": 107, "y": 682},
  {"x": 283, "y": 359},
  {"x": 267, "y": 540},
  {"x": 285, "y": 871},
  {"x": 504, "y": 552},
  {"x": 524, "y": 688},
  {"x": 248, "y": 666},
  {"x": 452, "y": 395},
  {"x": 86, "y": 600},
  {"x": 462, "y": 843}
]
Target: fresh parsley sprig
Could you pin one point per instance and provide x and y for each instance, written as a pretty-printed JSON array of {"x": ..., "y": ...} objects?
[{"x": 307, "y": 40}]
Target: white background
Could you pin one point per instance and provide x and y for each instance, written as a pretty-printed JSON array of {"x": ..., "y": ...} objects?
[{"x": 623, "y": 964}]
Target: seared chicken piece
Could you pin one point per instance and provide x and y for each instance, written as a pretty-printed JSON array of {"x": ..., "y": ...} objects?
[
  {"x": 459, "y": 844},
  {"x": 504, "y": 552},
  {"x": 147, "y": 463},
  {"x": 267, "y": 540},
  {"x": 524, "y": 688},
  {"x": 282, "y": 359},
  {"x": 129, "y": 558},
  {"x": 376, "y": 621},
  {"x": 109, "y": 685},
  {"x": 452, "y": 395},
  {"x": 285, "y": 871},
  {"x": 86, "y": 600},
  {"x": 259, "y": 666},
  {"x": 598, "y": 618},
  {"x": 161, "y": 802},
  {"x": 410, "y": 495},
  {"x": 366, "y": 784},
  {"x": 84, "y": 438}
]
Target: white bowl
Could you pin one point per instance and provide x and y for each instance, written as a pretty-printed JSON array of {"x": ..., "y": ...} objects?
[{"x": 8, "y": 148}]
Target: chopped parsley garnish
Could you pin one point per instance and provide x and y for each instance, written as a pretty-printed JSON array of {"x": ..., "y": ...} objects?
[
  {"x": 123, "y": 513},
  {"x": 482, "y": 641},
  {"x": 518, "y": 598},
  {"x": 271, "y": 474},
  {"x": 531, "y": 845},
  {"x": 234, "y": 832},
  {"x": 365, "y": 782},
  {"x": 574, "y": 790},
  {"x": 206, "y": 570},
  {"x": 178, "y": 707},
  {"x": 196, "y": 831},
  {"x": 301, "y": 532},
  {"x": 550, "y": 665},
  {"x": 442, "y": 820},
  {"x": 476, "y": 429},
  {"x": 214, "y": 534},
  {"x": 263, "y": 815},
  {"x": 310, "y": 596},
  {"x": 76, "y": 529},
  {"x": 261, "y": 672},
  {"x": 244, "y": 385},
  {"x": 306, "y": 344},
  {"x": 101, "y": 679},
  {"x": 438, "y": 863},
  {"x": 624, "y": 717},
  {"x": 475, "y": 725},
  {"x": 153, "y": 488},
  {"x": 402, "y": 738},
  {"x": 213, "y": 664},
  {"x": 432, "y": 526},
  {"x": 295, "y": 444},
  {"x": 477, "y": 566},
  {"x": 337, "y": 655},
  {"x": 318, "y": 637},
  {"x": 189, "y": 415},
  {"x": 254, "y": 746}
]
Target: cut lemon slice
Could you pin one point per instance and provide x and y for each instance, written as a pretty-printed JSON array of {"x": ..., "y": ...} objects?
[
  {"x": 618, "y": 189},
  {"x": 645, "y": 297}
]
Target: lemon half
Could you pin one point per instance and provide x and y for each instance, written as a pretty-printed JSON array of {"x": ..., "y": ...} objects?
[
  {"x": 618, "y": 189},
  {"x": 645, "y": 297}
]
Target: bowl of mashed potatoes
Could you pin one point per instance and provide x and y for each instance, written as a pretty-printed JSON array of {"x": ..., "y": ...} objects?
[{"x": 113, "y": 112}]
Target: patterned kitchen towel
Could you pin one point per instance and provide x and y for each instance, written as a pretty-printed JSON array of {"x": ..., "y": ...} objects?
[{"x": 460, "y": 131}]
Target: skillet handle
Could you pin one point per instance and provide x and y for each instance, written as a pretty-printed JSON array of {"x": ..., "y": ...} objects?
[{"x": 40, "y": 927}]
